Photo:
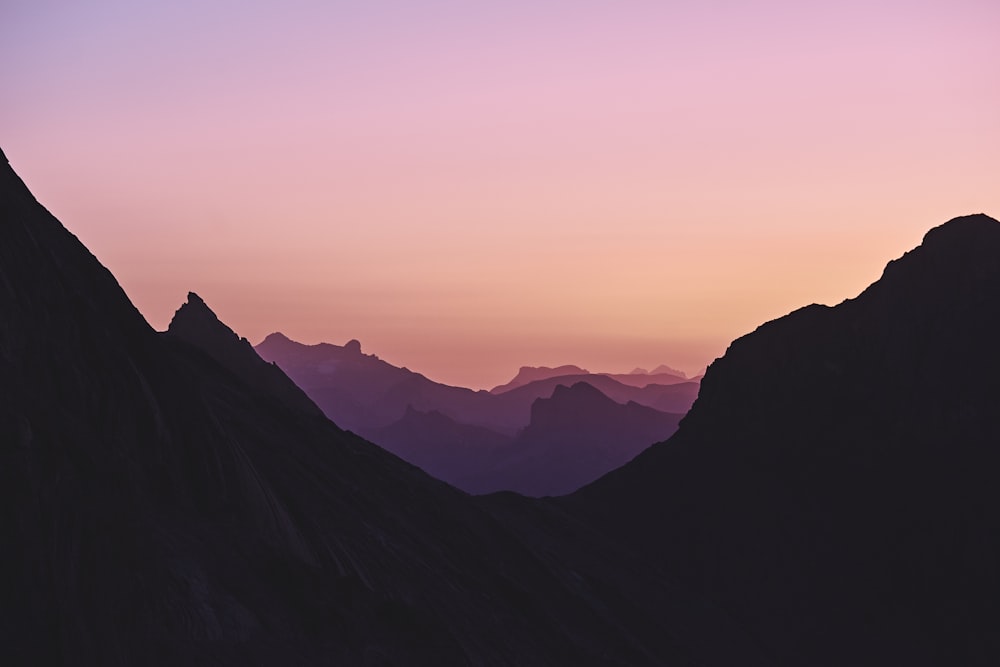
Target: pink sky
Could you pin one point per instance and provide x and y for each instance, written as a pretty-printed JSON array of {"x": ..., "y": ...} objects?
[{"x": 469, "y": 189}]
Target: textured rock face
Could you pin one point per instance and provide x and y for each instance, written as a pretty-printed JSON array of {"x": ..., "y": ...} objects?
[{"x": 834, "y": 484}]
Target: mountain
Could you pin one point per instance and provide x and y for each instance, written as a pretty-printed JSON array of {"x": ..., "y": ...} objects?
[
  {"x": 574, "y": 437},
  {"x": 662, "y": 369},
  {"x": 195, "y": 323},
  {"x": 448, "y": 450},
  {"x": 677, "y": 397},
  {"x": 365, "y": 394},
  {"x": 362, "y": 393},
  {"x": 159, "y": 509},
  {"x": 474, "y": 439},
  {"x": 834, "y": 485},
  {"x": 528, "y": 374},
  {"x": 829, "y": 500},
  {"x": 644, "y": 380}
]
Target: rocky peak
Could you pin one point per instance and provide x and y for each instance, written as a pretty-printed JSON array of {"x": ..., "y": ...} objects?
[{"x": 196, "y": 323}]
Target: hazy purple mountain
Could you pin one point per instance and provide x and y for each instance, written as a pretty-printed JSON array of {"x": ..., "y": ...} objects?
[
  {"x": 662, "y": 369},
  {"x": 471, "y": 439},
  {"x": 834, "y": 485},
  {"x": 574, "y": 437},
  {"x": 442, "y": 447},
  {"x": 676, "y": 398},
  {"x": 362, "y": 393},
  {"x": 530, "y": 375},
  {"x": 644, "y": 380}
]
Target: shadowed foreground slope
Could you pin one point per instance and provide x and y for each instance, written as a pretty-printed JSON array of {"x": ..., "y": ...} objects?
[{"x": 835, "y": 484}]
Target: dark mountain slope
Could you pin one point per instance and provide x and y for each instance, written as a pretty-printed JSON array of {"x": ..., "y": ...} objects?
[
  {"x": 157, "y": 509},
  {"x": 834, "y": 485},
  {"x": 195, "y": 323}
]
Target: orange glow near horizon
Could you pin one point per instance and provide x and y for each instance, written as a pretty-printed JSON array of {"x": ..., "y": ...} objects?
[{"x": 467, "y": 190}]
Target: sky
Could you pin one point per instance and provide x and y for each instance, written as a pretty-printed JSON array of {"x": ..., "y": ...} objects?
[{"x": 468, "y": 187}]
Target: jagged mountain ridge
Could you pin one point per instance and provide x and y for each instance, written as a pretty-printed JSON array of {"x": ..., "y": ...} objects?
[
  {"x": 475, "y": 440},
  {"x": 363, "y": 393},
  {"x": 195, "y": 323}
]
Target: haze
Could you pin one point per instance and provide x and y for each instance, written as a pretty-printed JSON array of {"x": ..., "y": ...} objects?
[{"x": 468, "y": 189}]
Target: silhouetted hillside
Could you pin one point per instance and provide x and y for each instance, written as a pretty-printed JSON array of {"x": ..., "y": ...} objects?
[
  {"x": 195, "y": 323},
  {"x": 158, "y": 509},
  {"x": 834, "y": 485}
]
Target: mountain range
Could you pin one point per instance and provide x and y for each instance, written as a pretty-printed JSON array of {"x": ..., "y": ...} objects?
[
  {"x": 828, "y": 500},
  {"x": 484, "y": 441}
]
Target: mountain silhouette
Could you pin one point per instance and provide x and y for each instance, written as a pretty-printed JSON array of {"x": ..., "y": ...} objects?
[
  {"x": 446, "y": 449},
  {"x": 159, "y": 507},
  {"x": 830, "y": 499},
  {"x": 363, "y": 393},
  {"x": 834, "y": 484},
  {"x": 528, "y": 374},
  {"x": 574, "y": 437},
  {"x": 473, "y": 439},
  {"x": 544, "y": 376},
  {"x": 195, "y": 323},
  {"x": 676, "y": 397}
]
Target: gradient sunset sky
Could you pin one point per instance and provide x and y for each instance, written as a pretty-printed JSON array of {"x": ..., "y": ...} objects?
[{"x": 467, "y": 187}]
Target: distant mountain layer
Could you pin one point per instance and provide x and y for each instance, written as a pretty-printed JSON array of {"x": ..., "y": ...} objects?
[
  {"x": 530, "y": 375},
  {"x": 573, "y": 438},
  {"x": 361, "y": 392},
  {"x": 474, "y": 439},
  {"x": 834, "y": 485}
]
